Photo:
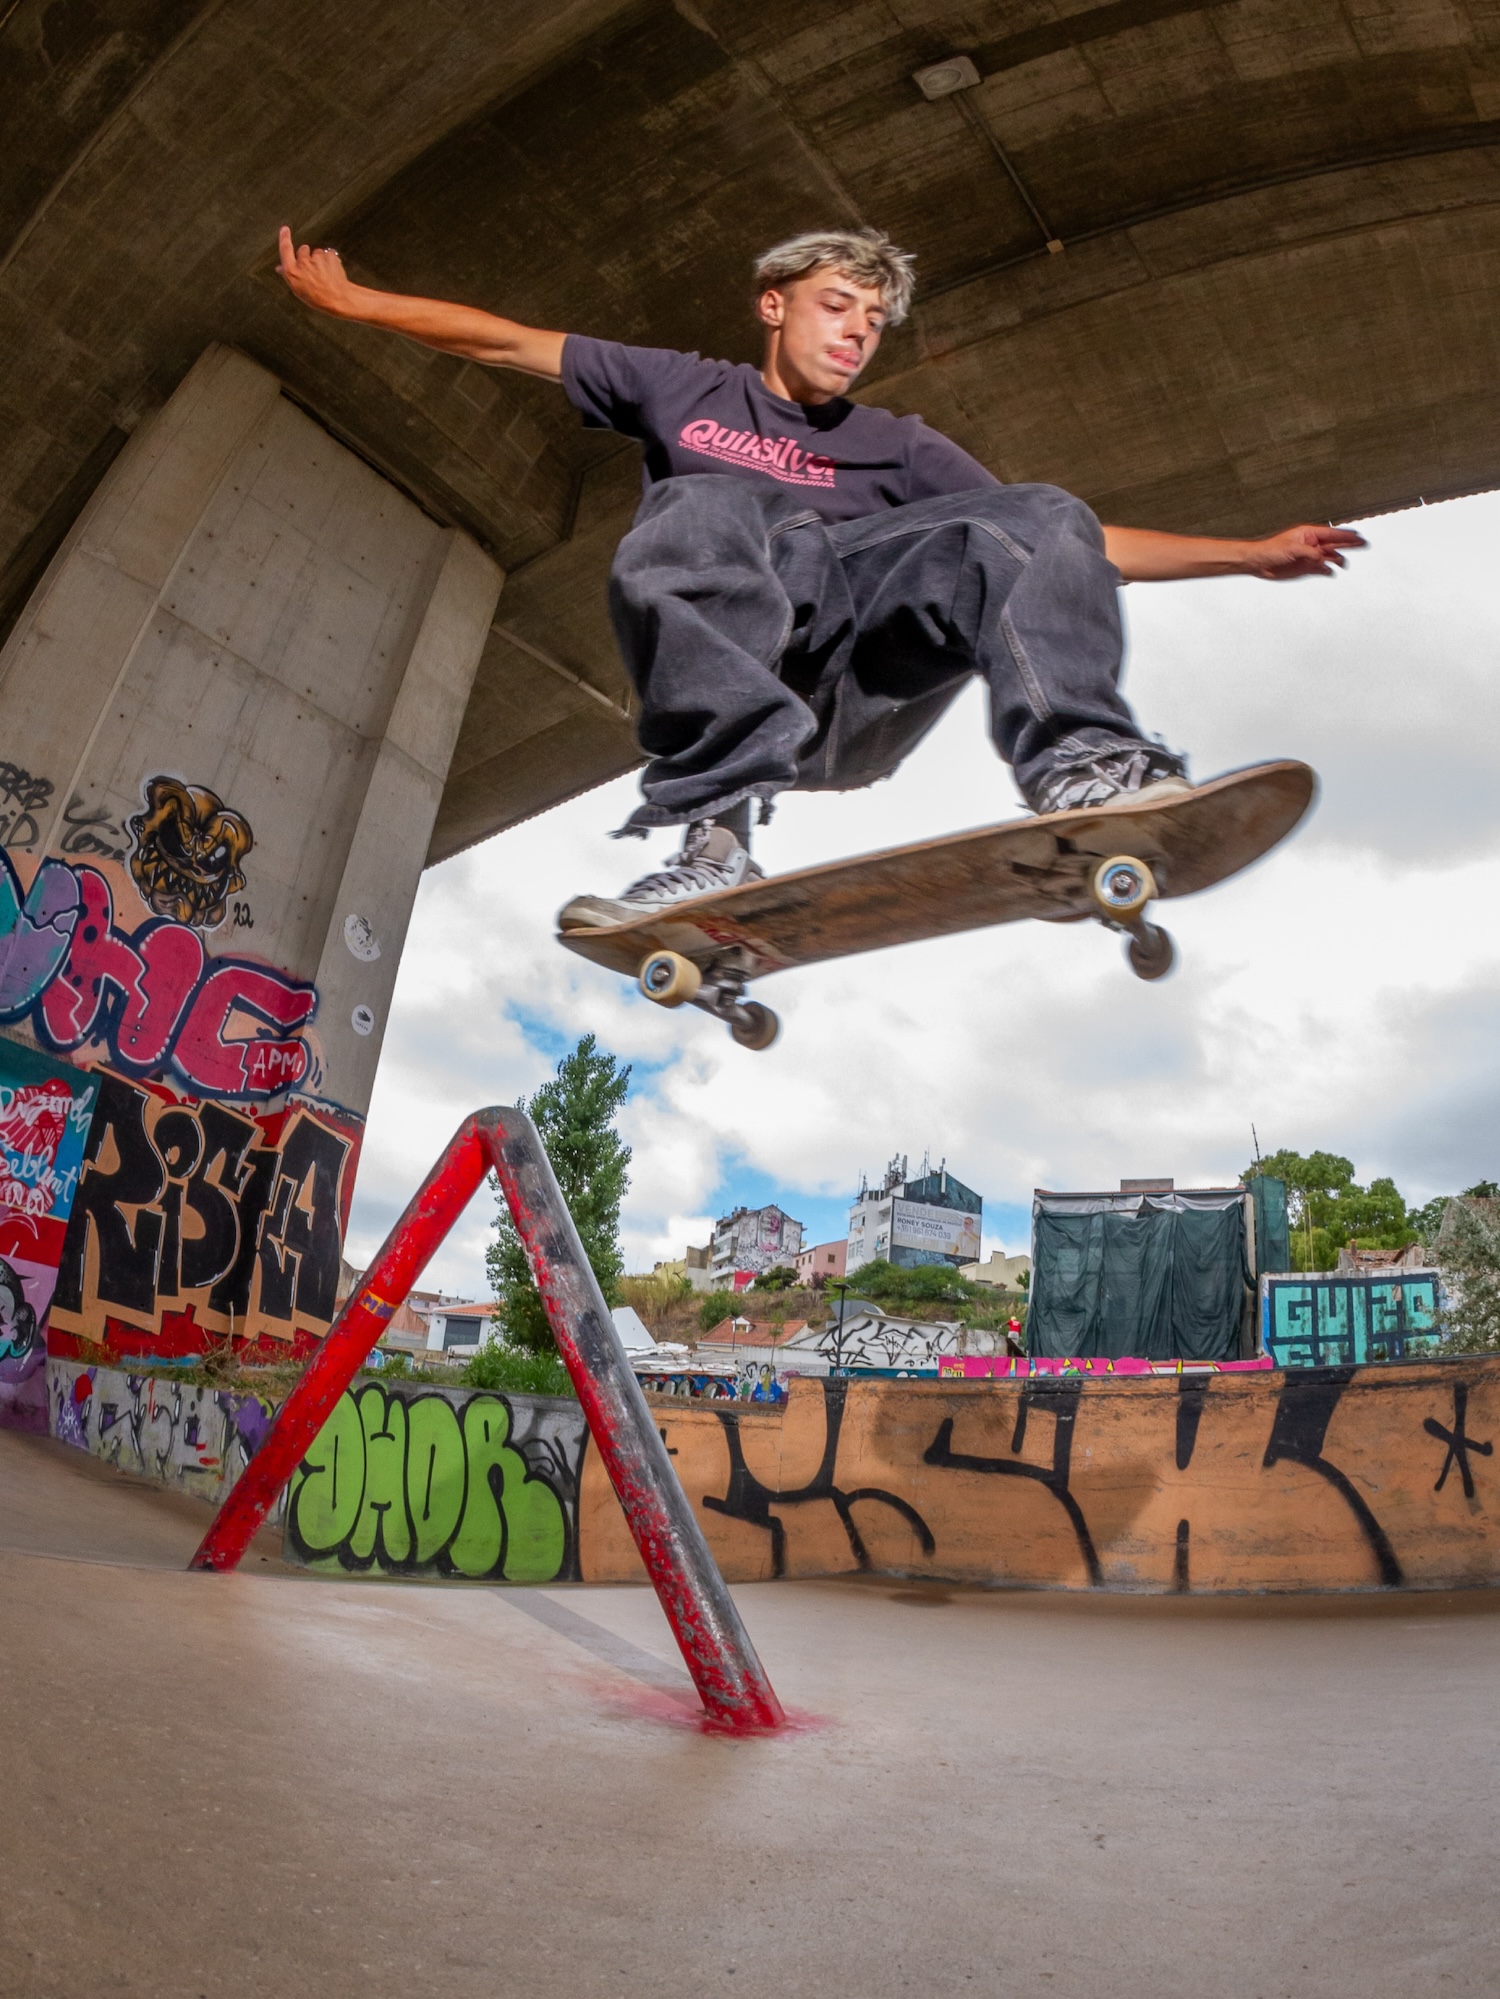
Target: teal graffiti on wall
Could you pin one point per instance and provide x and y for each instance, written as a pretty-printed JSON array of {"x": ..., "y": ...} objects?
[
  {"x": 403, "y": 1480},
  {"x": 1319, "y": 1321}
]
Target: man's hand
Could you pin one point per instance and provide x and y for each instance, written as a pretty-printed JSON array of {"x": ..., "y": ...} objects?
[
  {"x": 1143, "y": 555},
  {"x": 1302, "y": 551},
  {"x": 319, "y": 279}
]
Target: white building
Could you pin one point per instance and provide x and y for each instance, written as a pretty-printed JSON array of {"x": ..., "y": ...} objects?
[
  {"x": 1003, "y": 1272},
  {"x": 934, "y": 1218}
]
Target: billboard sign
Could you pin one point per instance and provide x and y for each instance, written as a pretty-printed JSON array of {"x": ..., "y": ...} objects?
[{"x": 941, "y": 1231}]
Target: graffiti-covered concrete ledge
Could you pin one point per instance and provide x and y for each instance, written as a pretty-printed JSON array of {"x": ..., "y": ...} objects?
[{"x": 1324, "y": 1479}]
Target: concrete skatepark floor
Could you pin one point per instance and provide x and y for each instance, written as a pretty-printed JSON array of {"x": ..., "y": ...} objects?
[{"x": 275, "y": 1784}]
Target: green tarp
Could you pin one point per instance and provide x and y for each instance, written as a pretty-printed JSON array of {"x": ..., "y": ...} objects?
[
  {"x": 1161, "y": 1283},
  {"x": 1273, "y": 1243}
]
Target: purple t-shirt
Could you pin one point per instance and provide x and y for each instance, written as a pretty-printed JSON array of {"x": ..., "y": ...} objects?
[{"x": 843, "y": 459}]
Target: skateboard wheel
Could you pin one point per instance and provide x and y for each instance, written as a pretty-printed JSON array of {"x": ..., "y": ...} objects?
[
  {"x": 1151, "y": 952},
  {"x": 1122, "y": 886},
  {"x": 669, "y": 979},
  {"x": 754, "y": 1025}
]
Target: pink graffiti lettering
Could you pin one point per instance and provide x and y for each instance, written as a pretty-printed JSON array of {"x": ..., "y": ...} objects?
[
  {"x": 244, "y": 1068},
  {"x": 154, "y": 981},
  {"x": 156, "y": 998},
  {"x": 781, "y": 457}
]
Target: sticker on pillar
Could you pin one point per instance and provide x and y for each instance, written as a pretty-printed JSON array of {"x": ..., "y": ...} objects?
[
  {"x": 362, "y": 1020},
  {"x": 359, "y": 935},
  {"x": 188, "y": 852},
  {"x": 45, "y": 1109}
]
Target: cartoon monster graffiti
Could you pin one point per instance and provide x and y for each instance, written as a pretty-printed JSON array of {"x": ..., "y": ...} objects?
[{"x": 188, "y": 852}]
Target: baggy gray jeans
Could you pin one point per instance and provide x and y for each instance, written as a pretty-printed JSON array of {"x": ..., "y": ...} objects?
[{"x": 773, "y": 652}]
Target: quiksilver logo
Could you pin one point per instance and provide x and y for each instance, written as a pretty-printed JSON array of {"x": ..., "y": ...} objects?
[{"x": 781, "y": 457}]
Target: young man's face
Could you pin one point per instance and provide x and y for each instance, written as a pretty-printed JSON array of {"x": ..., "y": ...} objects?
[{"x": 828, "y": 328}]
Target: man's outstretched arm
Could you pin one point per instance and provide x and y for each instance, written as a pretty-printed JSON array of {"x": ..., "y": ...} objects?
[
  {"x": 319, "y": 279},
  {"x": 1143, "y": 556}
]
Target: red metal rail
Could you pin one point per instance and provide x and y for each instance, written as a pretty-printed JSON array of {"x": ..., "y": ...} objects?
[{"x": 729, "y": 1677}]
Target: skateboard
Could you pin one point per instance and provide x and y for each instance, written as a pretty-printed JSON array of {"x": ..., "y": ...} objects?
[{"x": 1108, "y": 862}]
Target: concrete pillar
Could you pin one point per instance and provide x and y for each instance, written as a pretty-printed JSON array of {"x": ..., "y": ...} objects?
[{"x": 226, "y": 719}]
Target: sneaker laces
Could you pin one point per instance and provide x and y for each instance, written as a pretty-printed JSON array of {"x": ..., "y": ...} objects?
[{"x": 689, "y": 871}]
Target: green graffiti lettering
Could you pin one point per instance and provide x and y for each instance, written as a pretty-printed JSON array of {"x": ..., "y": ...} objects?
[
  {"x": 512, "y": 1523},
  {"x": 434, "y": 1473},
  {"x": 330, "y": 1483},
  {"x": 382, "y": 1523}
]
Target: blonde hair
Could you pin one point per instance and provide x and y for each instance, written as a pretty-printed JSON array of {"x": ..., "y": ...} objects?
[{"x": 865, "y": 255}]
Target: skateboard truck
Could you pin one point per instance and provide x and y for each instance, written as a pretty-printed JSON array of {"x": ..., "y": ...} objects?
[
  {"x": 1122, "y": 887},
  {"x": 672, "y": 980}
]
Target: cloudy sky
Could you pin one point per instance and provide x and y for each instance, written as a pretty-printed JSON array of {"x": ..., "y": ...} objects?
[{"x": 1345, "y": 993}]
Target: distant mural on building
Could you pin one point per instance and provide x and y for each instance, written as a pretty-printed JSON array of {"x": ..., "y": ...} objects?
[{"x": 45, "y": 1109}]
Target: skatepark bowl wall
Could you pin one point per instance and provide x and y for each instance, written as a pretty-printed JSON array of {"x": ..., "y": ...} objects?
[{"x": 1353, "y": 1478}]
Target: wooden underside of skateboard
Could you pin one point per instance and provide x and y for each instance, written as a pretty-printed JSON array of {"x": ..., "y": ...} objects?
[{"x": 1108, "y": 862}]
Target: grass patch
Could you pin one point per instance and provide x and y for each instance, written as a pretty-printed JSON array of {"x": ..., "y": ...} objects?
[{"x": 517, "y": 1371}]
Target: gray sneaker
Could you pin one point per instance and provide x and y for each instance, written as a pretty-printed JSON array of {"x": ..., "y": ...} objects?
[
  {"x": 711, "y": 859},
  {"x": 1130, "y": 773}
]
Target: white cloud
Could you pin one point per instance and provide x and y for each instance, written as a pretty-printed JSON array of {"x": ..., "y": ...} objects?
[{"x": 1344, "y": 993}]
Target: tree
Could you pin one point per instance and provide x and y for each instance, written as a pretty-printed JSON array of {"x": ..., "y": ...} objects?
[
  {"x": 1470, "y": 1321},
  {"x": 1328, "y": 1211},
  {"x": 780, "y": 1277},
  {"x": 575, "y": 1115}
]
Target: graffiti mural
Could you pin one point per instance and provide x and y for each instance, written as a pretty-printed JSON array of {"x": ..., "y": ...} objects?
[
  {"x": 193, "y": 1438},
  {"x": 143, "y": 993},
  {"x": 1329, "y": 1321},
  {"x": 195, "y": 1222},
  {"x": 45, "y": 1108},
  {"x": 407, "y": 1480},
  {"x": 188, "y": 849},
  {"x": 1348, "y": 1478}
]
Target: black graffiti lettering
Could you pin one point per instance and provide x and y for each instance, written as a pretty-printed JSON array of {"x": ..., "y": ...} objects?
[
  {"x": 207, "y": 1255},
  {"x": 128, "y": 1254},
  {"x": 92, "y": 831},
  {"x": 179, "y": 1140},
  {"x": 22, "y": 796},
  {"x": 192, "y": 1203},
  {"x": 1059, "y": 1399},
  {"x": 748, "y": 1500},
  {"x": 1180, "y": 1558},
  {"x": 241, "y": 917},
  {"x": 1458, "y": 1441},
  {"x": 1299, "y": 1430},
  {"x": 299, "y": 1239},
  {"x": 231, "y": 1292},
  {"x": 1191, "y": 1394}
]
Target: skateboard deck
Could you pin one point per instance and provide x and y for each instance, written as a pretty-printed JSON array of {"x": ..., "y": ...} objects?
[{"x": 1048, "y": 867}]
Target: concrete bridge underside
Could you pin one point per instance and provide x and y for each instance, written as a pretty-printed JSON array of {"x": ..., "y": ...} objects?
[{"x": 1280, "y": 222}]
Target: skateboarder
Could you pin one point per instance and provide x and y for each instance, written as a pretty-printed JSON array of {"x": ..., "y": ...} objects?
[{"x": 809, "y": 581}]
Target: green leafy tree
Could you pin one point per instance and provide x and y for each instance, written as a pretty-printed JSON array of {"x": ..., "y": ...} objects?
[
  {"x": 717, "y": 1306},
  {"x": 886, "y": 1283},
  {"x": 780, "y": 1277},
  {"x": 1470, "y": 1321},
  {"x": 575, "y": 1114},
  {"x": 1328, "y": 1211}
]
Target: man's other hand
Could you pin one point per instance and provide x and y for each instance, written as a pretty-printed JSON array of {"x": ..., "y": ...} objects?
[
  {"x": 1301, "y": 551},
  {"x": 317, "y": 277}
]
